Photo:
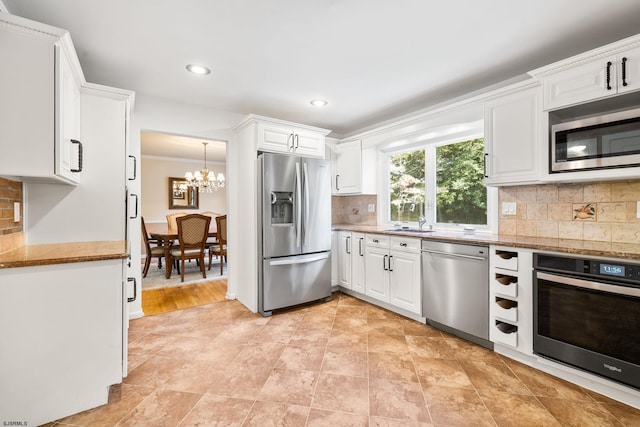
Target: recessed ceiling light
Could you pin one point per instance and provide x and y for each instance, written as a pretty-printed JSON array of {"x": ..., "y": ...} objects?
[
  {"x": 198, "y": 69},
  {"x": 319, "y": 102}
]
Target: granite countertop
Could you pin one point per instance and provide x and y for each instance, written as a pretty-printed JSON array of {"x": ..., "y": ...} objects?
[
  {"x": 628, "y": 251},
  {"x": 62, "y": 253}
]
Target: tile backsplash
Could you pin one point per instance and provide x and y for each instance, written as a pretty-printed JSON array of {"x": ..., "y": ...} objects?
[
  {"x": 10, "y": 192},
  {"x": 11, "y": 234},
  {"x": 601, "y": 211},
  {"x": 354, "y": 209}
]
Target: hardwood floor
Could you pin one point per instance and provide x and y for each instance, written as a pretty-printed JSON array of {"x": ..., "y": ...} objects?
[{"x": 155, "y": 301}]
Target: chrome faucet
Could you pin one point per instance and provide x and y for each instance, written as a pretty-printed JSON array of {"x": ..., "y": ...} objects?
[
  {"x": 421, "y": 218},
  {"x": 421, "y": 221}
]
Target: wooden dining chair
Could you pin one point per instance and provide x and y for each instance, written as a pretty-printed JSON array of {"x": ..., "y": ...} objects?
[
  {"x": 192, "y": 236},
  {"x": 156, "y": 251},
  {"x": 219, "y": 248},
  {"x": 171, "y": 221}
]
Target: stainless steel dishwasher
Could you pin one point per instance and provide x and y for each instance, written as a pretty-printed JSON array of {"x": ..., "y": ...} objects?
[{"x": 455, "y": 294}]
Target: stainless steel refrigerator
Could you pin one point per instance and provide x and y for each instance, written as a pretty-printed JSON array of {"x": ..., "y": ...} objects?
[{"x": 294, "y": 231}]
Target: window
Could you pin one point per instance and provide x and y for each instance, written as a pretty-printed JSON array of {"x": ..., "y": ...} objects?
[
  {"x": 461, "y": 196},
  {"x": 444, "y": 182},
  {"x": 406, "y": 178}
]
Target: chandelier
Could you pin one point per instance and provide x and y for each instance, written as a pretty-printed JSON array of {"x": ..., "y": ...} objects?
[{"x": 204, "y": 180}]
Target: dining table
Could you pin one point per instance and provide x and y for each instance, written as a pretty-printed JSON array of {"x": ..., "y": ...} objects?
[{"x": 167, "y": 237}]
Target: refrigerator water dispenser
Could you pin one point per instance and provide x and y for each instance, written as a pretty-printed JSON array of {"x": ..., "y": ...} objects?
[{"x": 281, "y": 207}]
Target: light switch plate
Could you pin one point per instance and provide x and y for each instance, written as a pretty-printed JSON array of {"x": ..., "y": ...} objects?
[
  {"x": 16, "y": 211},
  {"x": 508, "y": 208},
  {"x": 638, "y": 209},
  {"x": 372, "y": 207}
]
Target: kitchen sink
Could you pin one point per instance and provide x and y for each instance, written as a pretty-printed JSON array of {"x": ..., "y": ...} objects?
[{"x": 410, "y": 230}]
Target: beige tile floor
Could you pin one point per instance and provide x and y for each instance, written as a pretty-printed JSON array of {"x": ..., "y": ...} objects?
[{"x": 342, "y": 363}]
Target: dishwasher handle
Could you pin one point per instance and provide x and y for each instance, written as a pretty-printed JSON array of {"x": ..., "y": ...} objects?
[{"x": 479, "y": 258}]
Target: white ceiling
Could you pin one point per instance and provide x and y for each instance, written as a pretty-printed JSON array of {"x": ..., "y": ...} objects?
[
  {"x": 371, "y": 59},
  {"x": 182, "y": 147}
]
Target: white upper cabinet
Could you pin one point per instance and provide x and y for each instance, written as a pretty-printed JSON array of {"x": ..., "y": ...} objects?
[
  {"x": 353, "y": 169},
  {"x": 68, "y": 162},
  {"x": 40, "y": 80},
  {"x": 278, "y": 136},
  {"x": 602, "y": 73},
  {"x": 348, "y": 168},
  {"x": 512, "y": 143}
]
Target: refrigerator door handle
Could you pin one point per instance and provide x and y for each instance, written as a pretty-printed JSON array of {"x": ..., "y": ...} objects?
[
  {"x": 299, "y": 260},
  {"x": 298, "y": 206},
  {"x": 305, "y": 199}
]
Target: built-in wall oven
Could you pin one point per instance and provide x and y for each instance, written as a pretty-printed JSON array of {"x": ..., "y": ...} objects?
[{"x": 587, "y": 314}]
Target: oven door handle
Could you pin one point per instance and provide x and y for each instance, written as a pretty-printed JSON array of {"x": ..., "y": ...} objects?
[{"x": 588, "y": 284}]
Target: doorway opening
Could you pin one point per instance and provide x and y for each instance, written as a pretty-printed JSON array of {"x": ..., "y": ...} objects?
[{"x": 164, "y": 194}]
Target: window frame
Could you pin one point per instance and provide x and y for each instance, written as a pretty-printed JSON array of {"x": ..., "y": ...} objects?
[{"x": 474, "y": 131}]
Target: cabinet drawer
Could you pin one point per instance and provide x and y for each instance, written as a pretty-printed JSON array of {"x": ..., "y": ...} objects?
[
  {"x": 497, "y": 334},
  {"x": 406, "y": 244},
  {"x": 377, "y": 240},
  {"x": 504, "y": 284},
  {"x": 505, "y": 309},
  {"x": 506, "y": 260}
]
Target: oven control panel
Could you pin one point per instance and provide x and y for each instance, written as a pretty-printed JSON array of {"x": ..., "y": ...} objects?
[
  {"x": 622, "y": 270},
  {"x": 588, "y": 267}
]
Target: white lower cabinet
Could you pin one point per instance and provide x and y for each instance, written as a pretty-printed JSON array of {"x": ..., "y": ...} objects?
[
  {"x": 344, "y": 259},
  {"x": 349, "y": 254},
  {"x": 376, "y": 270},
  {"x": 357, "y": 262},
  {"x": 334, "y": 258},
  {"x": 393, "y": 271},
  {"x": 511, "y": 298},
  {"x": 61, "y": 329},
  {"x": 404, "y": 281}
]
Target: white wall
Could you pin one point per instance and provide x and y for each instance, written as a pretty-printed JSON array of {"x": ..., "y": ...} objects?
[
  {"x": 160, "y": 115},
  {"x": 155, "y": 180}
]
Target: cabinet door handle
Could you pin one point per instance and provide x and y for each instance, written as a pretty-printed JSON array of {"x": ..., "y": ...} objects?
[
  {"x": 297, "y": 140},
  {"x": 135, "y": 289},
  {"x": 136, "y": 211},
  {"x": 347, "y": 244},
  {"x": 624, "y": 72},
  {"x": 390, "y": 258},
  {"x": 360, "y": 247},
  {"x": 79, "y": 169},
  {"x": 609, "y": 64},
  {"x": 290, "y": 145},
  {"x": 135, "y": 168},
  {"x": 337, "y": 186},
  {"x": 376, "y": 241},
  {"x": 384, "y": 262},
  {"x": 485, "y": 165},
  {"x": 403, "y": 244}
]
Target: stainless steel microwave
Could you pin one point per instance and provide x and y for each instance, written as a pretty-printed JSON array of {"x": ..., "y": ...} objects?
[{"x": 606, "y": 141}]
